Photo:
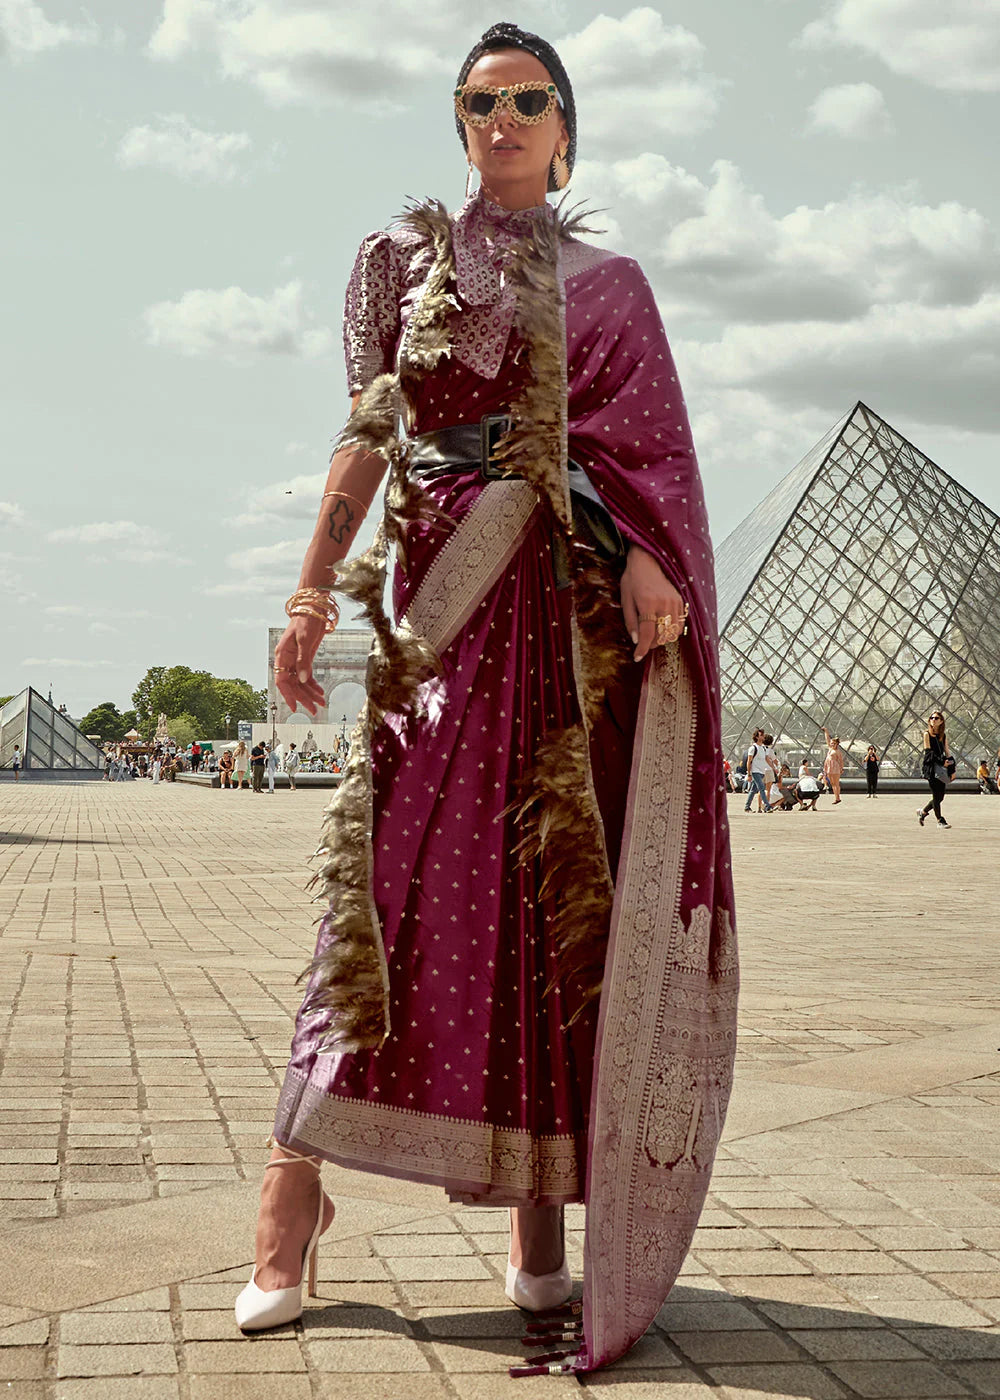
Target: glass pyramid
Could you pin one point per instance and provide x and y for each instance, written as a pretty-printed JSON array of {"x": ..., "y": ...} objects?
[
  {"x": 47, "y": 738},
  {"x": 861, "y": 593}
]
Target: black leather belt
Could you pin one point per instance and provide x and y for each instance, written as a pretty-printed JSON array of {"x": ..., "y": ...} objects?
[{"x": 451, "y": 450}]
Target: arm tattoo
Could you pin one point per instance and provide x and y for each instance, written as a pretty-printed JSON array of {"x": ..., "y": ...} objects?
[{"x": 341, "y": 519}]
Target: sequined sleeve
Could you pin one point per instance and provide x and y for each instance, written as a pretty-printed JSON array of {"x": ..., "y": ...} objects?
[{"x": 371, "y": 312}]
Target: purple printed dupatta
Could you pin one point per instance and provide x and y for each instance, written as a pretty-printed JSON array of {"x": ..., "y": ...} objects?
[{"x": 603, "y": 394}]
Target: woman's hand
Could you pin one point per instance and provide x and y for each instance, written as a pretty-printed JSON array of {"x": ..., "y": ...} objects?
[
  {"x": 293, "y": 659},
  {"x": 647, "y": 592}
]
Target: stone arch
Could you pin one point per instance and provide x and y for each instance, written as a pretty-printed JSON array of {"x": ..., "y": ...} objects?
[{"x": 342, "y": 660}]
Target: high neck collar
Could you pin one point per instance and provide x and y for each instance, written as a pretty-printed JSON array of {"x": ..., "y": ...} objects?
[{"x": 498, "y": 214}]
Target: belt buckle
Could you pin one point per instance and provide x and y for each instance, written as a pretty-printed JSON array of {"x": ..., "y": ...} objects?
[{"x": 492, "y": 426}]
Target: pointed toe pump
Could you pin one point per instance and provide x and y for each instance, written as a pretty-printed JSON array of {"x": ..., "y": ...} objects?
[
  {"x": 257, "y": 1308},
  {"x": 539, "y": 1292}
]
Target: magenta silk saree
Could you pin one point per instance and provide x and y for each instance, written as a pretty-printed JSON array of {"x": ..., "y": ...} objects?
[{"x": 446, "y": 1034}]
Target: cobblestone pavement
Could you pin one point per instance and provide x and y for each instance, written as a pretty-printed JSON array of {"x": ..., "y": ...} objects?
[{"x": 150, "y": 941}]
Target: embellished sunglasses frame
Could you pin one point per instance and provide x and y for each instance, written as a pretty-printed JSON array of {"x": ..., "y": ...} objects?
[{"x": 505, "y": 97}]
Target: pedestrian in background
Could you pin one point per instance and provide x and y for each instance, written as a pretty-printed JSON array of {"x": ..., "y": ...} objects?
[
  {"x": 292, "y": 761},
  {"x": 15, "y": 763},
  {"x": 257, "y": 767},
  {"x": 872, "y": 762},
  {"x": 938, "y": 767},
  {"x": 833, "y": 765},
  {"x": 226, "y": 768},
  {"x": 271, "y": 763},
  {"x": 757, "y": 771},
  {"x": 241, "y": 762},
  {"x": 807, "y": 788}
]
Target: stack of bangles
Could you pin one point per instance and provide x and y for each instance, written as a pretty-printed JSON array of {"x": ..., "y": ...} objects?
[
  {"x": 314, "y": 602},
  {"x": 667, "y": 630}
]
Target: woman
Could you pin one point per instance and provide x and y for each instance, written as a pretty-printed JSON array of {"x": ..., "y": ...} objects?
[
  {"x": 550, "y": 534},
  {"x": 292, "y": 761},
  {"x": 226, "y": 768},
  {"x": 872, "y": 762},
  {"x": 241, "y": 763},
  {"x": 937, "y": 768},
  {"x": 833, "y": 765}
]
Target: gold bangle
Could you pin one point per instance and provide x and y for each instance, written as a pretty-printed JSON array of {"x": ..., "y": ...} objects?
[{"x": 347, "y": 497}]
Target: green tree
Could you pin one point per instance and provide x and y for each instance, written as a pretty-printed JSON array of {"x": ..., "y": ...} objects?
[
  {"x": 4, "y": 699},
  {"x": 105, "y": 720},
  {"x": 185, "y": 728},
  {"x": 146, "y": 717},
  {"x": 238, "y": 699},
  {"x": 178, "y": 690}
]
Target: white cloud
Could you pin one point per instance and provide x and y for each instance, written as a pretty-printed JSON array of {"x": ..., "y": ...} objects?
[
  {"x": 716, "y": 252},
  {"x": 313, "y": 51},
  {"x": 269, "y": 569},
  {"x": 854, "y": 110},
  {"x": 68, "y": 662},
  {"x": 26, "y": 30},
  {"x": 95, "y": 610},
  {"x": 102, "y": 627},
  {"x": 938, "y": 364},
  {"x": 11, "y": 513},
  {"x": 638, "y": 74},
  {"x": 295, "y": 499},
  {"x": 953, "y": 46},
  {"x": 234, "y": 324},
  {"x": 103, "y": 532},
  {"x": 175, "y": 145}
]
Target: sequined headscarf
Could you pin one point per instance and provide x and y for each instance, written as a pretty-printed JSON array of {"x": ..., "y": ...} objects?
[{"x": 510, "y": 36}]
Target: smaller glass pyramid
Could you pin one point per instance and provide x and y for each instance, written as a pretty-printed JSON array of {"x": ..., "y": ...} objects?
[
  {"x": 48, "y": 740},
  {"x": 861, "y": 594}
]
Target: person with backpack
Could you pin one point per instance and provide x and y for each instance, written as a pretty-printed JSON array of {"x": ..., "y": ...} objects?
[{"x": 758, "y": 770}]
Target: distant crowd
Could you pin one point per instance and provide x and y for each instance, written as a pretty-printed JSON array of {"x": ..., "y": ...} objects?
[{"x": 238, "y": 764}]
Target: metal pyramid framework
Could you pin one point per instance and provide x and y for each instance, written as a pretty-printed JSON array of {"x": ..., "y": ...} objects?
[
  {"x": 48, "y": 740},
  {"x": 862, "y": 592}
]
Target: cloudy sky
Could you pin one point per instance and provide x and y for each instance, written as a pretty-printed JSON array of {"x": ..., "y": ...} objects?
[{"x": 809, "y": 184}]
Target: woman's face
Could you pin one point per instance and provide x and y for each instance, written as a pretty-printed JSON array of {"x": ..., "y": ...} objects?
[
  {"x": 507, "y": 153},
  {"x": 935, "y": 723}
]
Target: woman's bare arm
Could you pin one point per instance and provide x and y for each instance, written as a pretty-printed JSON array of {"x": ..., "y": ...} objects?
[{"x": 355, "y": 476}]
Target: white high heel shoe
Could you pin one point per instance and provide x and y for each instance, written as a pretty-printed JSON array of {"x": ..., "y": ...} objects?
[
  {"x": 539, "y": 1292},
  {"x": 257, "y": 1308}
]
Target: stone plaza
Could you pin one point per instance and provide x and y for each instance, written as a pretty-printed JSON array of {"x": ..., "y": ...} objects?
[{"x": 150, "y": 938}]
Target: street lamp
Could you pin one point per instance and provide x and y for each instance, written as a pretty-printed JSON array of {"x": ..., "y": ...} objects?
[
  {"x": 274, "y": 722},
  {"x": 229, "y": 719}
]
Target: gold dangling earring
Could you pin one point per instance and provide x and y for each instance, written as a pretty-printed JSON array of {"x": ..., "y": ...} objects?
[
  {"x": 468, "y": 181},
  {"x": 560, "y": 170}
]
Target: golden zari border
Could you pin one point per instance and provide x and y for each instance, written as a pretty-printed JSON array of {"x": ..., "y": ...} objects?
[
  {"x": 459, "y": 1152},
  {"x": 471, "y": 561}
]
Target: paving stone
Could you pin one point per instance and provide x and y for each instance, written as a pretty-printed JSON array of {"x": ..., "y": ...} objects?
[
  {"x": 115, "y": 1327},
  {"x": 413, "y": 1386},
  {"x": 243, "y": 1387},
  {"x": 425, "y": 1269},
  {"x": 756, "y": 1262},
  {"x": 381, "y": 1355},
  {"x": 34, "y": 1332},
  {"x": 109, "y": 1359},
  {"x": 248, "y": 1355},
  {"x": 639, "y": 1385},
  {"x": 757, "y": 1382},
  {"x": 726, "y": 1315},
  {"x": 880, "y": 1380},
  {"x": 954, "y": 1344},
  {"x": 706, "y": 1347},
  {"x": 421, "y": 1246},
  {"x": 118, "y": 1388},
  {"x": 857, "y": 1344}
]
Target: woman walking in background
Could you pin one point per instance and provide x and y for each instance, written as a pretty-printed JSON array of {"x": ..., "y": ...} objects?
[
  {"x": 833, "y": 765},
  {"x": 530, "y": 837},
  {"x": 871, "y": 770},
  {"x": 938, "y": 767},
  {"x": 241, "y": 763}
]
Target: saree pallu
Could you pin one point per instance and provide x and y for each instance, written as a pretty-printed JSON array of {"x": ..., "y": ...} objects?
[{"x": 498, "y": 1078}]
